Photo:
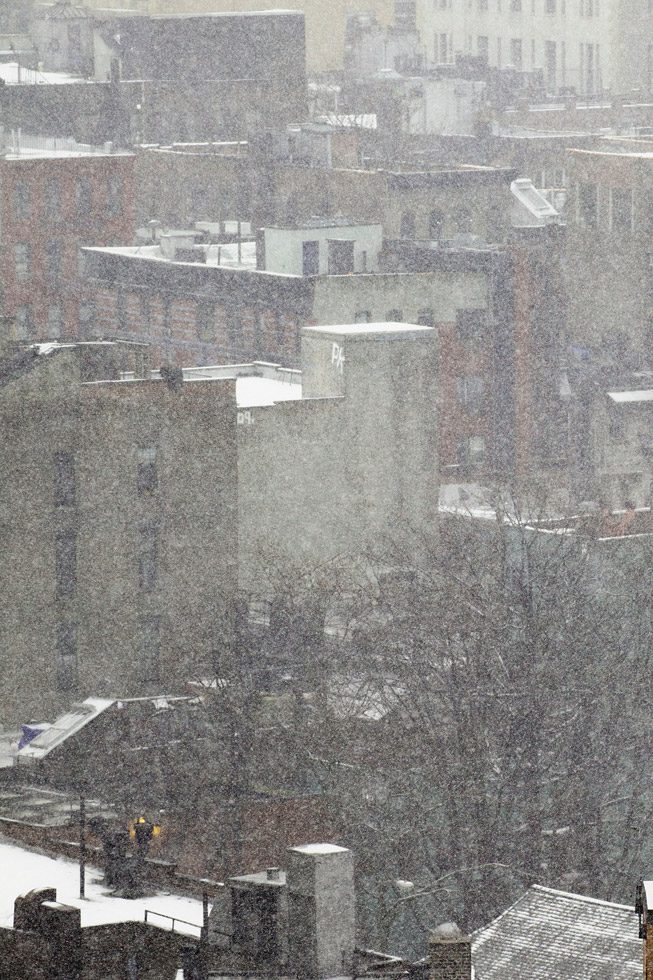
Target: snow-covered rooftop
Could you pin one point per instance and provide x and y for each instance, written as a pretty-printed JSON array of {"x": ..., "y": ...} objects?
[
  {"x": 23, "y": 870},
  {"x": 12, "y": 73},
  {"x": 624, "y": 397},
  {"x": 369, "y": 329}
]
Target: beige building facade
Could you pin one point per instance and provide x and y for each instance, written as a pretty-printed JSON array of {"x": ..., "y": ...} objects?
[{"x": 585, "y": 46}]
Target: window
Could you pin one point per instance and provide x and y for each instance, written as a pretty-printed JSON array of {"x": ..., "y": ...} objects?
[
  {"x": 471, "y": 391},
  {"x": 22, "y": 261},
  {"x": 471, "y": 452},
  {"x": 21, "y": 201},
  {"x": 515, "y": 6},
  {"x": 205, "y": 321},
  {"x": 64, "y": 484},
  {"x": 66, "y": 657},
  {"x": 148, "y": 563},
  {"x": 87, "y": 317},
  {"x": 482, "y": 4},
  {"x": 483, "y": 46},
  {"x": 65, "y": 550},
  {"x": 588, "y": 198},
  {"x": 463, "y": 221},
  {"x": 515, "y": 52},
  {"x": 23, "y": 322},
  {"x": 53, "y": 262},
  {"x": 363, "y": 316},
  {"x": 621, "y": 199},
  {"x": 425, "y": 318},
  {"x": 310, "y": 258},
  {"x": 122, "y": 321},
  {"x": 54, "y": 322},
  {"x": 84, "y": 196},
  {"x": 394, "y": 316},
  {"x": 235, "y": 328},
  {"x": 470, "y": 325},
  {"x": 150, "y": 648},
  {"x": 407, "y": 229},
  {"x": 436, "y": 225},
  {"x": 550, "y": 6},
  {"x": 52, "y": 199},
  {"x": 146, "y": 309},
  {"x": 147, "y": 477},
  {"x": 443, "y": 48},
  {"x": 114, "y": 196},
  {"x": 550, "y": 63}
]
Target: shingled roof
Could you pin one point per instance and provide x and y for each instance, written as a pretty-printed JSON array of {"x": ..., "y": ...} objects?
[{"x": 553, "y": 935}]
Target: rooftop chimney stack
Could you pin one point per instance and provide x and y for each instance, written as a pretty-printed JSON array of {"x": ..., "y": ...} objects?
[
  {"x": 450, "y": 954},
  {"x": 321, "y": 911}
]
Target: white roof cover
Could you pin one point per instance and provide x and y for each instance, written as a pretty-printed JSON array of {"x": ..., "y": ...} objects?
[
  {"x": 65, "y": 726},
  {"x": 621, "y": 397}
]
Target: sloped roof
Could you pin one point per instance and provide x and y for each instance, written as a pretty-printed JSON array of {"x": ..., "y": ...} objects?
[{"x": 554, "y": 935}]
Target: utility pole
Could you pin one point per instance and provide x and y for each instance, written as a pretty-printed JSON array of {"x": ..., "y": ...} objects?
[{"x": 82, "y": 847}]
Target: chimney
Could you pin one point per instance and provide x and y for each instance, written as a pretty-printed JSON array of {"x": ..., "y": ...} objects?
[
  {"x": 450, "y": 954},
  {"x": 321, "y": 911}
]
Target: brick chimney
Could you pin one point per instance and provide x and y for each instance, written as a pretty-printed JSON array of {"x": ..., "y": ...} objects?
[{"x": 450, "y": 954}]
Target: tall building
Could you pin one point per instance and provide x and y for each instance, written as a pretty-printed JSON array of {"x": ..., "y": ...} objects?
[{"x": 585, "y": 46}]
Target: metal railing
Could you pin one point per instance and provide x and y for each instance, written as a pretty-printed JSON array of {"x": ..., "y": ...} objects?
[{"x": 149, "y": 914}]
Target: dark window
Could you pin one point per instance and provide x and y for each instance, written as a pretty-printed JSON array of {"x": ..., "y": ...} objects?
[
  {"x": 341, "y": 257},
  {"x": 21, "y": 201},
  {"x": 146, "y": 309},
  {"x": 234, "y": 327},
  {"x": 394, "y": 316},
  {"x": 53, "y": 262},
  {"x": 471, "y": 452},
  {"x": 550, "y": 6},
  {"x": 515, "y": 46},
  {"x": 436, "y": 225},
  {"x": 622, "y": 209},
  {"x": 167, "y": 319},
  {"x": 84, "y": 196},
  {"x": 588, "y": 201},
  {"x": 515, "y": 5},
  {"x": 425, "y": 318},
  {"x": 64, "y": 483},
  {"x": 54, "y": 321},
  {"x": 22, "y": 261},
  {"x": 147, "y": 477},
  {"x": 463, "y": 221},
  {"x": 205, "y": 321},
  {"x": 148, "y": 567},
  {"x": 121, "y": 311},
  {"x": 363, "y": 316},
  {"x": 23, "y": 322},
  {"x": 66, "y": 564},
  {"x": 310, "y": 258},
  {"x": 471, "y": 392},
  {"x": 150, "y": 647},
  {"x": 114, "y": 196},
  {"x": 470, "y": 325},
  {"x": 66, "y": 662},
  {"x": 53, "y": 199},
  {"x": 87, "y": 317},
  {"x": 407, "y": 229}
]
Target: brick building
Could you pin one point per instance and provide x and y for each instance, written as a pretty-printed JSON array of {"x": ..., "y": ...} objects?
[
  {"x": 56, "y": 196},
  {"x": 499, "y": 312}
]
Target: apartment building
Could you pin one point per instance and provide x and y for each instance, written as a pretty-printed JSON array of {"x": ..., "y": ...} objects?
[
  {"x": 610, "y": 215},
  {"x": 582, "y": 46},
  {"x": 118, "y": 525},
  {"x": 56, "y": 196}
]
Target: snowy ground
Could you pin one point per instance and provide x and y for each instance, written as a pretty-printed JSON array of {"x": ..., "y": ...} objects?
[{"x": 22, "y": 870}]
